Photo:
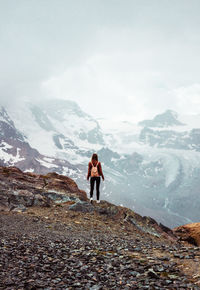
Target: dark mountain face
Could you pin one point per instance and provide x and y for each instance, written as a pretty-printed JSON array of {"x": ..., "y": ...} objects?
[{"x": 7, "y": 127}]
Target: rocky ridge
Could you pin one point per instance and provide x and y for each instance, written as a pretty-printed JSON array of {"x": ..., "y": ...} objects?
[
  {"x": 20, "y": 190},
  {"x": 60, "y": 241}
]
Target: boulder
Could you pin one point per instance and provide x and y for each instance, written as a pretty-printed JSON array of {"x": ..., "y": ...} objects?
[{"x": 189, "y": 233}]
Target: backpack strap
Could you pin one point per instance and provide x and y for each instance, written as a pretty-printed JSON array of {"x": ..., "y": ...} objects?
[{"x": 96, "y": 164}]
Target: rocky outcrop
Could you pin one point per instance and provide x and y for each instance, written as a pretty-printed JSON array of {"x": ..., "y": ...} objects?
[
  {"x": 19, "y": 190},
  {"x": 189, "y": 233}
]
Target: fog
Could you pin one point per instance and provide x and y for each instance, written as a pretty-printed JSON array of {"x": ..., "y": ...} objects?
[{"x": 117, "y": 59}]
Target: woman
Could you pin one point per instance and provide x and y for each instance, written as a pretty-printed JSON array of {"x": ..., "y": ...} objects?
[{"x": 94, "y": 173}]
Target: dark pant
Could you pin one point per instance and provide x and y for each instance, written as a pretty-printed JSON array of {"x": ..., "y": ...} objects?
[{"x": 92, "y": 182}]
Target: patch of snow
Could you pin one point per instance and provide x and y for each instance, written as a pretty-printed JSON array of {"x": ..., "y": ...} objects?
[
  {"x": 17, "y": 157},
  {"x": 5, "y": 156},
  {"x": 5, "y": 145},
  {"x": 29, "y": 170},
  {"x": 9, "y": 158},
  {"x": 49, "y": 159},
  {"x": 46, "y": 164},
  {"x": 68, "y": 171}
]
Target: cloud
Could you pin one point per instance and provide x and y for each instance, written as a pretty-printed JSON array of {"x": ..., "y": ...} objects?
[
  {"x": 130, "y": 59},
  {"x": 188, "y": 99}
]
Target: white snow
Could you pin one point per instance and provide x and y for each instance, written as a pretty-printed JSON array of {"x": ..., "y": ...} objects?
[
  {"x": 6, "y": 157},
  {"x": 73, "y": 123},
  {"x": 68, "y": 171},
  {"x": 37, "y": 137},
  {"x": 5, "y": 145},
  {"x": 46, "y": 164},
  {"x": 9, "y": 158},
  {"x": 29, "y": 170},
  {"x": 17, "y": 157},
  {"x": 48, "y": 159},
  {"x": 172, "y": 160},
  {"x": 42, "y": 140}
]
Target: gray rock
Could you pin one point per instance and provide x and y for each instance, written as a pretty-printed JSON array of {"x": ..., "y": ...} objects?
[{"x": 82, "y": 207}]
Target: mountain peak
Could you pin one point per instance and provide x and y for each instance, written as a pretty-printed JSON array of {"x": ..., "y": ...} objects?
[
  {"x": 57, "y": 108},
  {"x": 4, "y": 117},
  {"x": 167, "y": 119}
]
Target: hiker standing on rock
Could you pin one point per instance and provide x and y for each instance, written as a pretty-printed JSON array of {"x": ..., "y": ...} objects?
[{"x": 95, "y": 173}]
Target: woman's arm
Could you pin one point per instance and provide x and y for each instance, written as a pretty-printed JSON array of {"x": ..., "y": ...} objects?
[
  {"x": 89, "y": 170},
  {"x": 100, "y": 171}
]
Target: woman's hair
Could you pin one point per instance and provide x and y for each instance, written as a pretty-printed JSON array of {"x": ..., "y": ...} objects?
[{"x": 94, "y": 157}]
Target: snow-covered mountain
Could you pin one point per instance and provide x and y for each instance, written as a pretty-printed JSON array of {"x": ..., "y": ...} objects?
[
  {"x": 16, "y": 151},
  {"x": 152, "y": 167},
  {"x": 58, "y": 128},
  {"x": 167, "y": 119},
  {"x": 170, "y": 135}
]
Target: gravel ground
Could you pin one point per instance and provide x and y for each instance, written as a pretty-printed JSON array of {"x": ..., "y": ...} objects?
[{"x": 45, "y": 249}]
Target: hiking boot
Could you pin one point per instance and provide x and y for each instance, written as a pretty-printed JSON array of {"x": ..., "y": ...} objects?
[{"x": 98, "y": 201}]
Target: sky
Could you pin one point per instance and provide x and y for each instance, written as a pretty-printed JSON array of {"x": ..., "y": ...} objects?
[{"x": 118, "y": 59}]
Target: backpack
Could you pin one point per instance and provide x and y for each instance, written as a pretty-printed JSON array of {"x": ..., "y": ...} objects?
[{"x": 94, "y": 170}]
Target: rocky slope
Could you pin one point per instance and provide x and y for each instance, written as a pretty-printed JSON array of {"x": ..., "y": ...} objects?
[
  {"x": 19, "y": 191},
  {"x": 61, "y": 241}
]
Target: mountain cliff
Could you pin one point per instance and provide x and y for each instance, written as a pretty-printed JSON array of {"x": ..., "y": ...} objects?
[{"x": 52, "y": 237}]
